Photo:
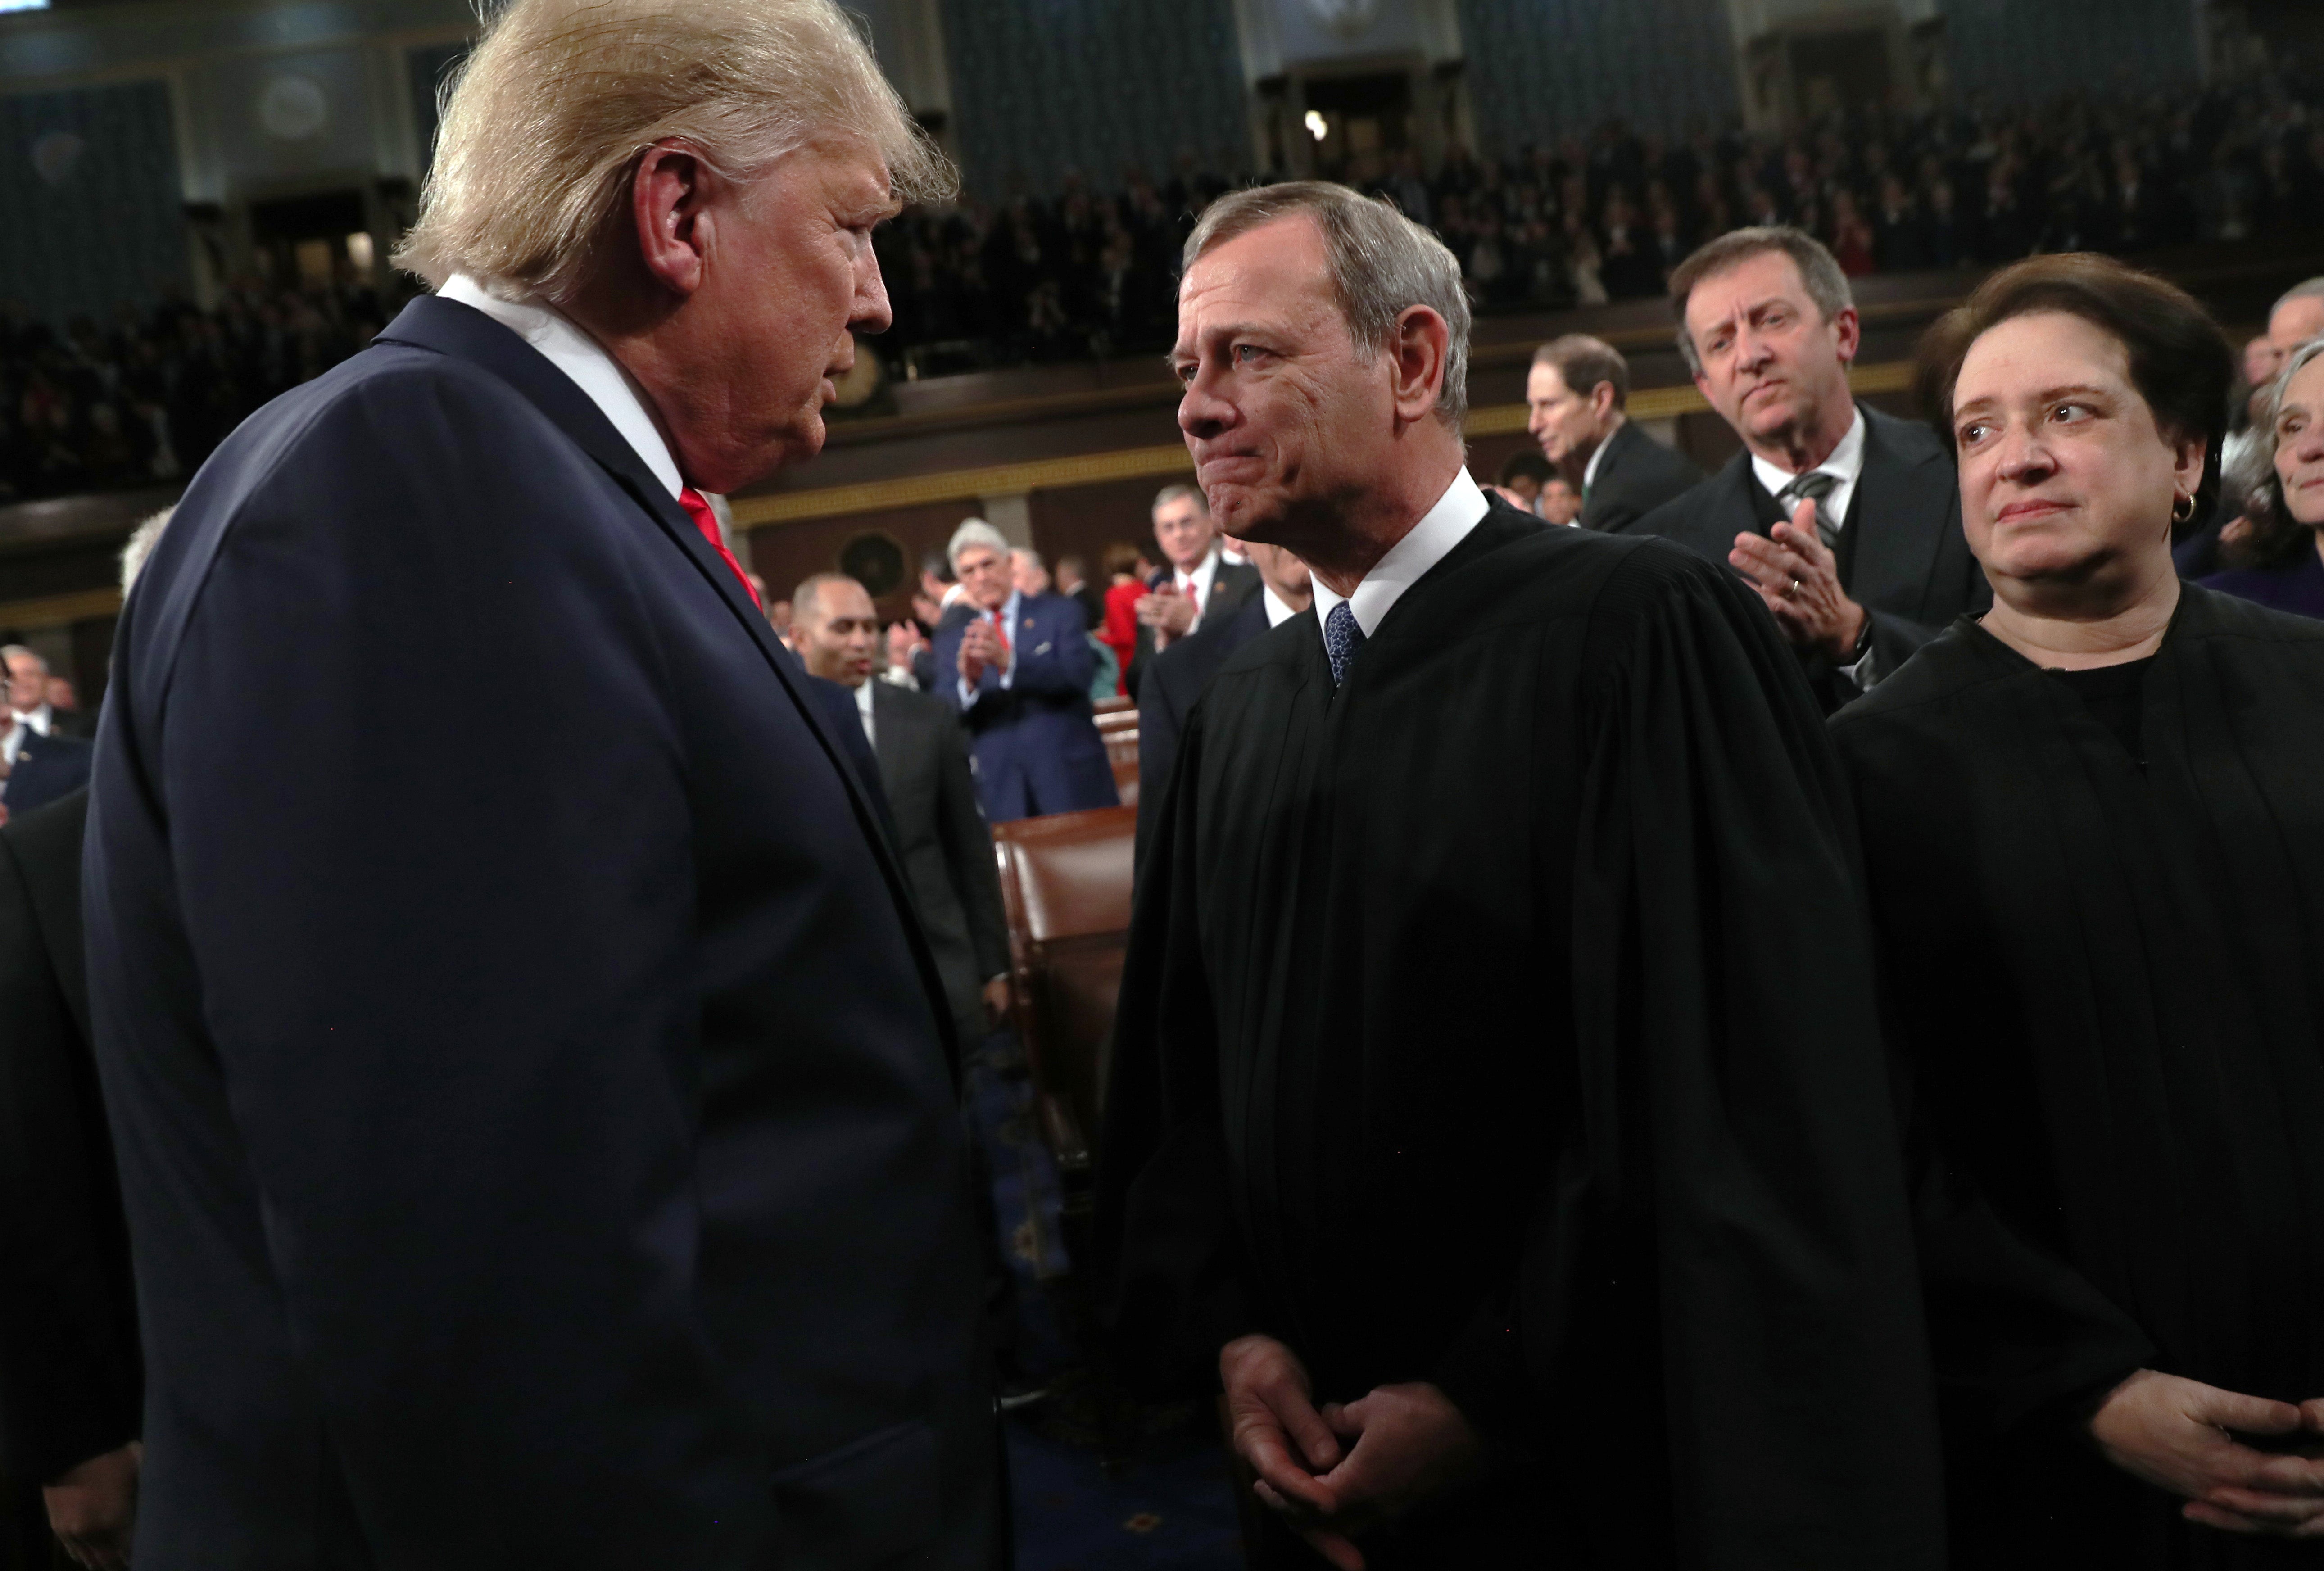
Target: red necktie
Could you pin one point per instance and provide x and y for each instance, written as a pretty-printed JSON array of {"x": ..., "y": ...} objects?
[
  {"x": 1002, "y": 628},
  {"x": 706, "y": 521}
]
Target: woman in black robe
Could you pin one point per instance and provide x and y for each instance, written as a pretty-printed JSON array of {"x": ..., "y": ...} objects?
[{"x": 2094, "y": 834}]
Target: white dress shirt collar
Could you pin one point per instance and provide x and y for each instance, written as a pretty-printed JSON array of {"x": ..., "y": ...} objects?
[
  {"x": 1597, "y": 457},
  {"x": 1278, "y": 611},
  {"x": 1846, "y": 462},
  {"x": 1429, "y": 542},
  {"x": 864, "y": 708},
  {"x": 567, "y": 346}
]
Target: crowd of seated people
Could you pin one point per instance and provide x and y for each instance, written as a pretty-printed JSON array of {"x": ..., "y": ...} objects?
[
  {"x": 1087, "y": 272},
  {"x": 142, "y": 398},
  {"x": 1607, "y": 214}
]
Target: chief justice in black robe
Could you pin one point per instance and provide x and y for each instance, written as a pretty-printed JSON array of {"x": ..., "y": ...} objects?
[
  {"x": 2094, "y": 831},
  {"x": 1498, "y": 1025}
]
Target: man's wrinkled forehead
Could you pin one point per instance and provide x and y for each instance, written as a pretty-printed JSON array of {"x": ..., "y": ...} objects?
[
  {"x": 1277, "y": 276},
  {"x": 1756, "y": 282}
]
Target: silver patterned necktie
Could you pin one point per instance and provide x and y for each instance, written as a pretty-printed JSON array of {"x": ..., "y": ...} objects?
[
  {"x": 1812, "y": 486},
  {"x": 1342, "y": 641}
]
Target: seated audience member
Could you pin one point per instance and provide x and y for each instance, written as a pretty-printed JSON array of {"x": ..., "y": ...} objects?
[
  {"x": 1522, "y": 478},
  {"x": 32, "y": 701},
  {"x": 70, "y": 1376},
  {"x": 1847, "y": 521},
  {"x": 940, "y": 836},
  {"x": 2280, "y": 562},
  {"x": 1182, "y": 671},
  {"x": 1198, "y": 581},
  {"x": 2095, "y": 849},
  {"x": 1575, "y": 396},
  {"x": 1017, "y": 669},
  {"x": 39, "y": 762},
  {"x": 1072, "y": 583},
  {"x": 1127, "y": 570},
  {"x": 1560, "y": 501}
]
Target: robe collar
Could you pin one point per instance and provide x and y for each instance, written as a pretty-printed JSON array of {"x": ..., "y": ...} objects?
[{"x": 1428, "y": 542}]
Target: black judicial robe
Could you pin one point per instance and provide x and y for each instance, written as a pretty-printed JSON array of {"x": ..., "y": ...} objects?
[
  {"x": 2108, "y": 978},
  {"x": 1505, "y": 1020}
]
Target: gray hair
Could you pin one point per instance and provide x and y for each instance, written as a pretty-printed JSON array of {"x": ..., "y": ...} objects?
[
  {"x": 140, "y": 546},
  {"x": 1382, "y": 264},
  {"x": 1827, "y": 285},
  {"x": 975, "y": 531},
  {"x": 2307, "y": 289},
  {"x": 2251, "y": 468},
  {"x": 544, "y": 125},
  {"x": 1026, "y": 554},
  {"x": 10, "y": 651},
  {"x": 1176, "y": 490}
]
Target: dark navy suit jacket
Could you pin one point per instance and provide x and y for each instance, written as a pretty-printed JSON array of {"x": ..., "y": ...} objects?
[
  {"x": 1034, "y": 743},
  {"x": 47, "y": 769},
  {"x": 533, "y": 1114}
]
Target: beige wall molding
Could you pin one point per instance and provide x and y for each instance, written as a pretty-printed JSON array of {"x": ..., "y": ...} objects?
[
  {"x": 1652, "y": 404},
  {"x": 59, "y": 610}
]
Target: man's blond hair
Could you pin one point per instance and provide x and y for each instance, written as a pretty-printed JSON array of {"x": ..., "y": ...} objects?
[{"x": 542, "y": 128}]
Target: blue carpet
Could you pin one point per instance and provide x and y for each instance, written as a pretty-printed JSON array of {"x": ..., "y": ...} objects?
[{"x": 1170, "y": 1508}]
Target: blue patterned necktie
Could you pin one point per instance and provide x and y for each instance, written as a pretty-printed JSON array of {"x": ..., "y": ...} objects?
[{"x": 1342, "y": 641}]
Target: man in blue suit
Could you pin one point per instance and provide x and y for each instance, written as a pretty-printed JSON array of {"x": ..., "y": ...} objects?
[
  {"x": 1018, "y": 669},
  {"x": 548, "y": 1159},
  {"x": 46, "y": 769}
]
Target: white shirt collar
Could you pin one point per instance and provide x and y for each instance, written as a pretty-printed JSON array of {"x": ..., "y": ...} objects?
[
  {"x": 39, "y": 717},
  {"x": 1278, "y": 611},
  {"x": 863, "y": 698},
  {"x": 1429, "y": 542},
  {"x": 1597, "y": 457},
  {"x": 567, "y": 346},
  {"x": 1847, "y": 462}
]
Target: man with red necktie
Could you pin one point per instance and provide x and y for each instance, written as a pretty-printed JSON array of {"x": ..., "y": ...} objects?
[
  {"x": 551, "y": 1158},
  {"x": 1018, "y": 672}
]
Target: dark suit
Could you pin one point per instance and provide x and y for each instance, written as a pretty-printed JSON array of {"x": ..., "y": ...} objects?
[
  {"x": 1035, "y": 742},
  {"x": 534, "y": 1117},
  {"x": 69, "y": 1378},
  {"x": 47, "y": 768},
  {"x": 945, "y": 848},
  {"x": 1902, "y": 554},
  {"x": 1180, "y": 674},
  {"x": 1231, "y": 583},
  {"x": 77, "y": 723},
  {"x": 1635, "y": 475}
]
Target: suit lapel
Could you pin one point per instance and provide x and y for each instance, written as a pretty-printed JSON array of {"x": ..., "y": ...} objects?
[
  {"x": 463, "y": 332},
  {"x": 890, "y": 721},
  {"x": 1899, "y": 522}
]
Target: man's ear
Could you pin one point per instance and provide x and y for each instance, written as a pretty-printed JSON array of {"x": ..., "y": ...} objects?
[
  {"x": 670, "y": 209},
  {"x": 1849, "y": 331},
  {"x": 1601, "y": 401},
  {"x": 1419, "y": 347}
]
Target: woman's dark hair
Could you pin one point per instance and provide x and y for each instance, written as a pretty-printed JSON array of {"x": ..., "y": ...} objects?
[
  {"x": 1121, "y": 557},
  {"x": 2179, "y": 361}
]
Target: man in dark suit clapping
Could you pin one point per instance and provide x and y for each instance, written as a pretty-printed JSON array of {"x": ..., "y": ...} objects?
[
  {"x": 1195, "y": 582},
  {"x": 1575, "y": 396},
  {"x": 1182, "y": 671},
  {"x": 1017, "y": 671},
  {"x": 553, "y": 1160},
  {"x": 1847, "y": 521},
  {"x": 940, "y": 834}
]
